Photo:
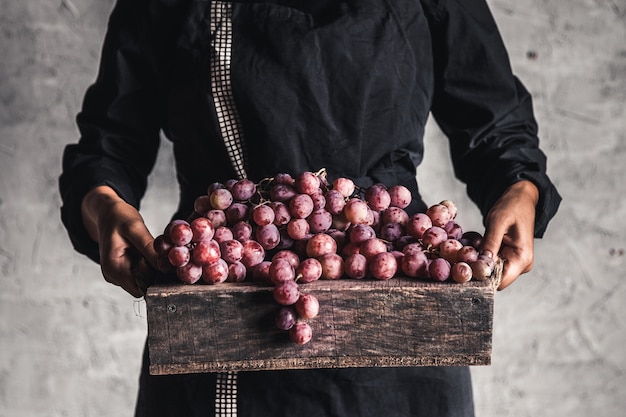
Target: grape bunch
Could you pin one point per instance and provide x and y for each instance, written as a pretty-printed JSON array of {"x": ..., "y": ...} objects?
[{"x": 291, "y": 230}]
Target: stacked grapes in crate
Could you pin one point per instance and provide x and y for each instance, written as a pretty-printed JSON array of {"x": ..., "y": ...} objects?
[{"x": 292, "y": 230}]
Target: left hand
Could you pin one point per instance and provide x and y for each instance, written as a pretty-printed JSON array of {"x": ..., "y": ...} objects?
[{"x": 509, "y": 230}]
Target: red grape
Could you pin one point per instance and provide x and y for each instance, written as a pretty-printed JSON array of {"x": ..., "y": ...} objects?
[
  {"x": 202, "y": 229},
  {"x": 345, "y": 186},
  {"x": 394, "y": 215},
  {"x": 178, "y": 256},
  {"x": 307, "y": 306},
  {"x": 309, "y": 270},
  {"x": 268, "y": 236},
  {"x": 400, "y": 196},
  {"x": 236, "y": 272},
  {"x": 221, "y": 199},
  {"x": 356, "y": 211},
  {"x": 243, "y": 190},
  {"x": 231, "y": 250},
  {"x": 242, "y": 231},
  {"x": 206, "y": 252},
  {"x": 332, "y": 266},
  {"x": 298, "y": 229},
  {"x": 300, "y": 206},
  {"x": 189, "y": 273},
  {"x": 289, "y": 255},
  {"x": 286, "y": 318},
  {"x": 361, "y": 232},
  {"x": 217, "y": 218},
  {"x": 377, "y": 197},
  {"x": 286, "y": 293},
  {"x": 281, "y": 270},
  {"x": 263, "y": 215},
  {"x": 253, "y": 253},
  {"x": 355, "y": 266},
  {"x": 414, "y": 263},
  {"x": 372, "y": 247},
  {"x": 335, "y": 201},
  {"x": 434, "y": 236},
  {"x": 236, "y": 212},
  {"x": 320, "y": 221},
  {"x": 307, "y": 183},
  {"x": 215, "y": 272},
  {"x": 439, "y": 214},
  {"x": 301, "y": 333},
  {"x": 320, "y": 244},
  {"x": 282, "y": 193},
  {"x": 439, "y": 269},
  {"x": 223, "y": 234},
  {"x": 461, "y": 272},
  {"x": 383, "y": 265},
  {"x": 180, "y": 233},
  {"x": 281, "y": 213},
  {"x": 202, "y": 205}
]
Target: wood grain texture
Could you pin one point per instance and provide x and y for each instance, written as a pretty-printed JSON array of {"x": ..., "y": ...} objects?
[{"x": 399, "y": 322}]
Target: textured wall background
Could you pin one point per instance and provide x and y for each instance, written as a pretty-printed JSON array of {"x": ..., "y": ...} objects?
[{"x": 70, "y": 344}]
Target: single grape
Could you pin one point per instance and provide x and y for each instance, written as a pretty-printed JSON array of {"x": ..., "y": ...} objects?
[
  {"x": 221, "y": 199},
  {"x": 282, "y": 193},
  {"x": 215, "y": 272},
  {"x": 383, "y": 265},
  {"x": 461, "y": 272},
  {"x": 236, "y": 212},
  {"x": 345, "y": 186},
  {"x": 394, "y": 215},
  {"x": 402, "y": 241},
  {"x": 228, "y": 184},
  {"x": 202, "y": 229},
  {"x": 223, "y": 234},
  {"x": 356, "y": 211},
  {"x": 263, "y": 215},
  {"x": 439, "y": 214},
  {"x": 332, "y": 266},
  {"x": 206, "y": 252},
  {"x": 281, "y": 213},
  {"x": 414, "y": 263},
  {"x": 202, "y": 205},
  {"x": 400, "y": 196},
  {"x": 214, "y": 186},
  {"x": 231, "y": 250},
  {"x": 377, "y": 197},
  {"x": 439, "y": 269},
  {"x": 286, "y": 293},
  {"x": 253, "y": 253},
  {"x": 180, "y": 233},
  {"x": 467, "y": 254},
  {"x": 243, "y": 190},
  {"x": 261, "y": 271},
  {"x": 281, "y": 270},
  {"x": 355, "y": 266},
  {"x": 242, "y": 231},
  {"x": 320, "y": 244},
  {"x": 288, "y": 255},
  {"x": 286, "y": 318},
  {"x": 340, "y": 238},
  {"x": 298, "y": 229},
  {"x": 268, "y": 236},
  {"x": 236, "y": 272},
  {"x": 307, "y": 306},
  {"x": 217, "y": 218},
  {"x": 178, "y": 256},
  {"x": 189, "y": 273},
  {"x": 418, "y": 223},
  {"x": 162, "y": 245},
  {"x": 335, "y": 201},
  {"x": 472, "y": 238},
  {"x": 307, "y": 183},
  {"x": 361, "y": 232},
  {"x": 449, "y": 249},
  {"x": 482, "y": 267},
  {"x": 283, "y": 178},
  {"x": 391, "y": 232},
  {"x": 340, "y": 222},
  {"x": 301, "y": 206},
  {"x": 309, "y": 270},
  {"x": 301, "y": 333},
  {"x": 320, "y": 221},
  {"x": 372, "y": 247},
  {"x": 434, "y": 236},
  {"x": 452, "y": 208},
  {"x": 454, "y": 230}
]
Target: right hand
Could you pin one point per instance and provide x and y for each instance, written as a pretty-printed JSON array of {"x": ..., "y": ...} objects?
[{"x": 121, "y": 234}]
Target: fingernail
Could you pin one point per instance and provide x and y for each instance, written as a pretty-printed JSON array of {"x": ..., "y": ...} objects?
[{"x": 487, "y": 253}]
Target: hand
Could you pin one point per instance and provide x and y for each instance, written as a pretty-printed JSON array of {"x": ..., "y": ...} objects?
[
  {"x": 121, "y": 234},
  {"x": 509, "y": 230}
]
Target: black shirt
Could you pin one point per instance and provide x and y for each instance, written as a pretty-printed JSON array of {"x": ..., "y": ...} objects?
[{"x": 295, "y": 85}]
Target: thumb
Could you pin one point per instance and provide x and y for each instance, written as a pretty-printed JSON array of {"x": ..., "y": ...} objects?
[{"x": 492, "y": 240}]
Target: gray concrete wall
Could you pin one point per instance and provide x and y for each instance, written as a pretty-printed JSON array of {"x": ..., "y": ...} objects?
[{"x": 70, "y": 344}]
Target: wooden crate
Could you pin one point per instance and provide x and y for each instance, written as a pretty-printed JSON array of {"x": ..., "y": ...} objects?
[{"x": 399, "y": 322}]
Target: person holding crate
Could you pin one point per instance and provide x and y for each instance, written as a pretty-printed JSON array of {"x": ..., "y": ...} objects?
[{"x": 250, "y": 89}]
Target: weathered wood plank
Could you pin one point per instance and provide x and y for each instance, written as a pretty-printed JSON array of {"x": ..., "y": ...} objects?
[{"x": 399, "y": 322}]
